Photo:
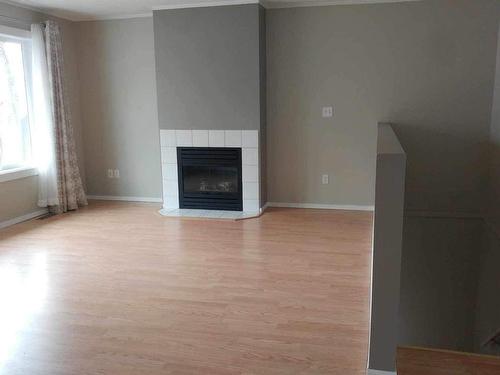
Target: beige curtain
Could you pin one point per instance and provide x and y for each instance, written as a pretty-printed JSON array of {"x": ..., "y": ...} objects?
[{"x": 69, "y": 183}]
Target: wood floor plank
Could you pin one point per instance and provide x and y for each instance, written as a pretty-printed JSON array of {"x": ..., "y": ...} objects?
[
  {"x": 117, "y": 289},
  {"x": 430, "y": 361}
]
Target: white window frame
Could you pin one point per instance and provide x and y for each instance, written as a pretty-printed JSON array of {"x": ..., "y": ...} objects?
[{"x": 24, "y": 37}]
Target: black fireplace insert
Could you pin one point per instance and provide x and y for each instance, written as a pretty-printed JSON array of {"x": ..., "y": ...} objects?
[{"x": 210, "y": 178}]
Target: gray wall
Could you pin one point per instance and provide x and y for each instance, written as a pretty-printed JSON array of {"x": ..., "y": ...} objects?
[
  {"x": 492, "y": 206},
  {"x": 487, "y": 320},
  {"x": 450, "y": 278},
  {"x": 19, "y": 197},
  {"x": 119, "y": 113},
  {"x": 207, "y": 64},
  {"x": 439, "y": 276},
  {"x": 387, "y": 246},
  {"x": 487, "y": 317},
  {"x": 426, "y": 66}
]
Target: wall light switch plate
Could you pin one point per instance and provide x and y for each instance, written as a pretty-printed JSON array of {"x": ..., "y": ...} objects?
[
  {"x": 110, "y": 173},
  {"x": 116, "y": 173},
  {"x": 325, "y": 179},
  {"x": 327, "y": 111}
]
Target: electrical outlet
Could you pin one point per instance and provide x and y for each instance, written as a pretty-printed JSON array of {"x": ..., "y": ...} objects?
[
  {"x": 116, "y": 173},
  {"x": 110, "y": 173},
  {"x": 325, "y": 179},
  {"x": 327, "y": 111}
]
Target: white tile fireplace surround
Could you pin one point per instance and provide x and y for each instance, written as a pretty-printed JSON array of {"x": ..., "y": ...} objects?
[{"x": 247, "y": 140}]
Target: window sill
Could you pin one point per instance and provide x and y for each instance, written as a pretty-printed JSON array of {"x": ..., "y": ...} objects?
[{"x": 17, "y": 173}]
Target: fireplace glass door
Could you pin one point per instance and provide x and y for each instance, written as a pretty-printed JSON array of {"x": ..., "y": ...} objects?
[{"x": 210, "y": 179}]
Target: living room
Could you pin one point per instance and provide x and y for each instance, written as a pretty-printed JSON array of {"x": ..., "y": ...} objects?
[{"x": 192, "y": 187}]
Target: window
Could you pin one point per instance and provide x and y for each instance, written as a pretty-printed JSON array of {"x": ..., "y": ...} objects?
[{"x": 15, "y": 58}]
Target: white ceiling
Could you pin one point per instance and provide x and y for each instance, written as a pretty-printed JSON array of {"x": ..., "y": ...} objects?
[{"x": 81, "y": 10}]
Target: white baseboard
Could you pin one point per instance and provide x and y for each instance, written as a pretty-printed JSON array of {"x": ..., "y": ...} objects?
[
  {"x": 321, "y": 206},
  {"x": 125, "y": 199},
  {"x": 379, "y": 372},
  {"x": 20, "y": 219},
  {"x": 268, "y": 204}
]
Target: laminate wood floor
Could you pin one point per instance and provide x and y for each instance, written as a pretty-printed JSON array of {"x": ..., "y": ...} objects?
[
  {"x": 430, "y": 361},
  {"x": 117, "y": 289}
]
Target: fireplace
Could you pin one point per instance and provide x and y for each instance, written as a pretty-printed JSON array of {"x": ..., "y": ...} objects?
[
  {"x": 211, "y": 170},
  {"x": 210, "y": 178}
]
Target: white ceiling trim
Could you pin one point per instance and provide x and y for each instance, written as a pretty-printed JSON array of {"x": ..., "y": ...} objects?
[
  {"x": 115, "y": 17},
  {"x": 23, "y": 6},
  {"x": 274, "y": 4},
  {"x": 48, "y": 12},
  {"x": 269, "y": 4},
  {"x": 204, "y": 4}
]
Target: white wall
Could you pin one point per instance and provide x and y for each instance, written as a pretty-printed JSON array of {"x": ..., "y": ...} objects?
[{"x": 119, "y": 108}]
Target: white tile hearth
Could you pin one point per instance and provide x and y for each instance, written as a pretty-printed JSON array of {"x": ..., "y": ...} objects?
[
  {"x": 216, "y": 138},
  {"x": 170, "y": 202},
  {"x": 200, "y": 138},
  {"x": 170, "y": 188},
  {"x": 250, "y": 173},
  {"x": 251, "y": 205},
  {"x": 208, "y": 214},
  {"x": 233, "y": 138},
  {"x": 184, "y": 138},
  {"x": 169, "y": 172},
  {"x": 250, "y": 156},
  {"x": 248, "y": 140},
  {"x": 169, "y": 155},
  {"x": 167, "y": 138},
  {"x": 251, "y": 190}
]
